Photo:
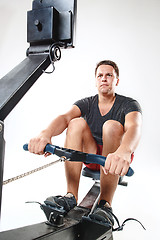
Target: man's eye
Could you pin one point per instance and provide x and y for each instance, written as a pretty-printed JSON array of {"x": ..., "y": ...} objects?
[
  {"x": 100, "y": 75},
  {"x": 109, "y": 75}
]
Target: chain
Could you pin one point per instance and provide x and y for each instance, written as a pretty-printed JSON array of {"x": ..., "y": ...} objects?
[{"x": 32, "y": 171}]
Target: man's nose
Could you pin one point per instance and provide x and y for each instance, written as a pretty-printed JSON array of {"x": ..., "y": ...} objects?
[{"x": 104, "y": 78}]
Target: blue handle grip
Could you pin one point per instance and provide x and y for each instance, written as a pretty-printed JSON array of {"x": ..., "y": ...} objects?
[
  {"x": 98, "y": 159},
  {"x": 25, "y": 147},
  {"x": 86, "y": 157},
  {"x": 49, "y": 148}
]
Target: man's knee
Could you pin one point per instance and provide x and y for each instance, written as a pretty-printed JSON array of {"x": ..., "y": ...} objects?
[
  {"x": 113, "y": 129},
  {"x": 77, "y": 124}
]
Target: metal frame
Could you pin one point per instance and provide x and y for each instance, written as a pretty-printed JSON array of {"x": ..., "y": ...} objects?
[
  {"x": 75, "y": 227},
  {"x": 40, "y": 55},
  {"x": 2, "y": 148},
  {"x": 17, "y": 82}
]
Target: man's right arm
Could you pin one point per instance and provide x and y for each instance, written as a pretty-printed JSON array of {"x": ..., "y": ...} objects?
[{"x": 56, "y": 127}]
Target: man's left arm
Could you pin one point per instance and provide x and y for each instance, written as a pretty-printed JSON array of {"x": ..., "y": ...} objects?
[{"x": 120, "y": 160}]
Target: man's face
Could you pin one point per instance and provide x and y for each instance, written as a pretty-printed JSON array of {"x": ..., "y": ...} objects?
[{"x": 106, "y": 79}]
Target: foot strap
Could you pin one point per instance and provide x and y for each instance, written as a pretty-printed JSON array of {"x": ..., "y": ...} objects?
[
  {"x": 66, "y": 203},
  {"x": 120, "y": 227},
  {"x": 107, "y": 222}
]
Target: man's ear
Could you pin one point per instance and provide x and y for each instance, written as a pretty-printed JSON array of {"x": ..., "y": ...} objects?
[{"x": 117, "y": 82}]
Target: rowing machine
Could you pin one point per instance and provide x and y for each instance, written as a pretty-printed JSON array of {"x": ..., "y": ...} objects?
[{"x": 56, "y": 215}]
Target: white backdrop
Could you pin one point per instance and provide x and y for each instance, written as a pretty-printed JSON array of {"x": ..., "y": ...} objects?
[{"x": 126, "y": 32}]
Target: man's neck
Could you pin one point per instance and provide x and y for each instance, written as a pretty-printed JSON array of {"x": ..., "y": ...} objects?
[{"x": 106, "y": 98}]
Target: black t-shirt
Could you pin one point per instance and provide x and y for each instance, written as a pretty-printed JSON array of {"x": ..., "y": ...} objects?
[{"x": 90, "y": 112}]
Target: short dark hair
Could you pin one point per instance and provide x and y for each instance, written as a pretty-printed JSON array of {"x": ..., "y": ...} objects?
[{"x": 108, "y": 62}]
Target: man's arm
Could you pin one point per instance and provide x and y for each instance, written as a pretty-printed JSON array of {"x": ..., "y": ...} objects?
[
  {"x": 56, "y": 127},
  {"x": 119, "y": 161}
]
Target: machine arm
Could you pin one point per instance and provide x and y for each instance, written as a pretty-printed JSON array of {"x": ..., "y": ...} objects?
[{"x": 18, "y": 81}]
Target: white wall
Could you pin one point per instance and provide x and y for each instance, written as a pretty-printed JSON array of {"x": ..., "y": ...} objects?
[{"x": 126, "y": 32}]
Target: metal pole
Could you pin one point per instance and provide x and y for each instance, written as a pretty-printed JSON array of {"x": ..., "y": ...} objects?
[{"x": 2, "y": 147}]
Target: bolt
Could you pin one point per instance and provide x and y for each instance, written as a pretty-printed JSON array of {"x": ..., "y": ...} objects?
[
  {"x": 38, "y": 25},
  {"x": 1, "y": 127}
]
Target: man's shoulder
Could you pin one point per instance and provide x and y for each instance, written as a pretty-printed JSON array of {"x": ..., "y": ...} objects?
[
  {"x": 124, "y": 98},
  {"x": 89, "y": 99},
  {"x": 128, "y": 103},
  {"x": 86, "y": 104}
]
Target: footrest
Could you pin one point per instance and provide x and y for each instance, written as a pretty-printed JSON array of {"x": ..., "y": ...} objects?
[
  {"x": 95, "y": 230},
  {"x": 99, "y": 222},
  {"x": 54, "y": 215}
]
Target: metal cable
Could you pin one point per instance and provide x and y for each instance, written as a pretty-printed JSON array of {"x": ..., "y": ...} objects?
[{"x": 32, "y": 171}]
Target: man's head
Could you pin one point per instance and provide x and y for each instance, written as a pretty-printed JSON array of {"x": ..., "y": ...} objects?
[
  {"x": 107, "y": 77},
  {"x": 108, "y": 62}
]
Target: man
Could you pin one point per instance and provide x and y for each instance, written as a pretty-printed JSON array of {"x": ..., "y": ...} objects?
[{"x": 108, "y": 124}]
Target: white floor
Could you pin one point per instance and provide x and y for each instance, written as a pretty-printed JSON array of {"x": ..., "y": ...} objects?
[{"x": 138, "y": 200}]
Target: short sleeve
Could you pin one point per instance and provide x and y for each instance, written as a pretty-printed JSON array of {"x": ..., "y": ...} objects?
[
  {"x": 132, "y": 105},
  {"x": 83, "y": 105}
]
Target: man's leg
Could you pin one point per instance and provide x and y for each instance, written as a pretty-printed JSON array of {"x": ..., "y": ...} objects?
[
  {"x": 112, "y": 136},
  {"x": 79, "y": 138}
]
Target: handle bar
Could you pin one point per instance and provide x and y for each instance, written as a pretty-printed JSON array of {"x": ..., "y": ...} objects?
[{"x": 77, "y": 156}]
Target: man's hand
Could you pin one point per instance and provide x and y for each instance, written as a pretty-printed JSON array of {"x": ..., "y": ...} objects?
[
  {"x": 117, "y": 163},
  {"x": 37, "y": 145}
]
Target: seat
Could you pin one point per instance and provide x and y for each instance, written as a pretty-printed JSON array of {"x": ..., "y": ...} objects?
[{"x": 95, "y": 175}]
